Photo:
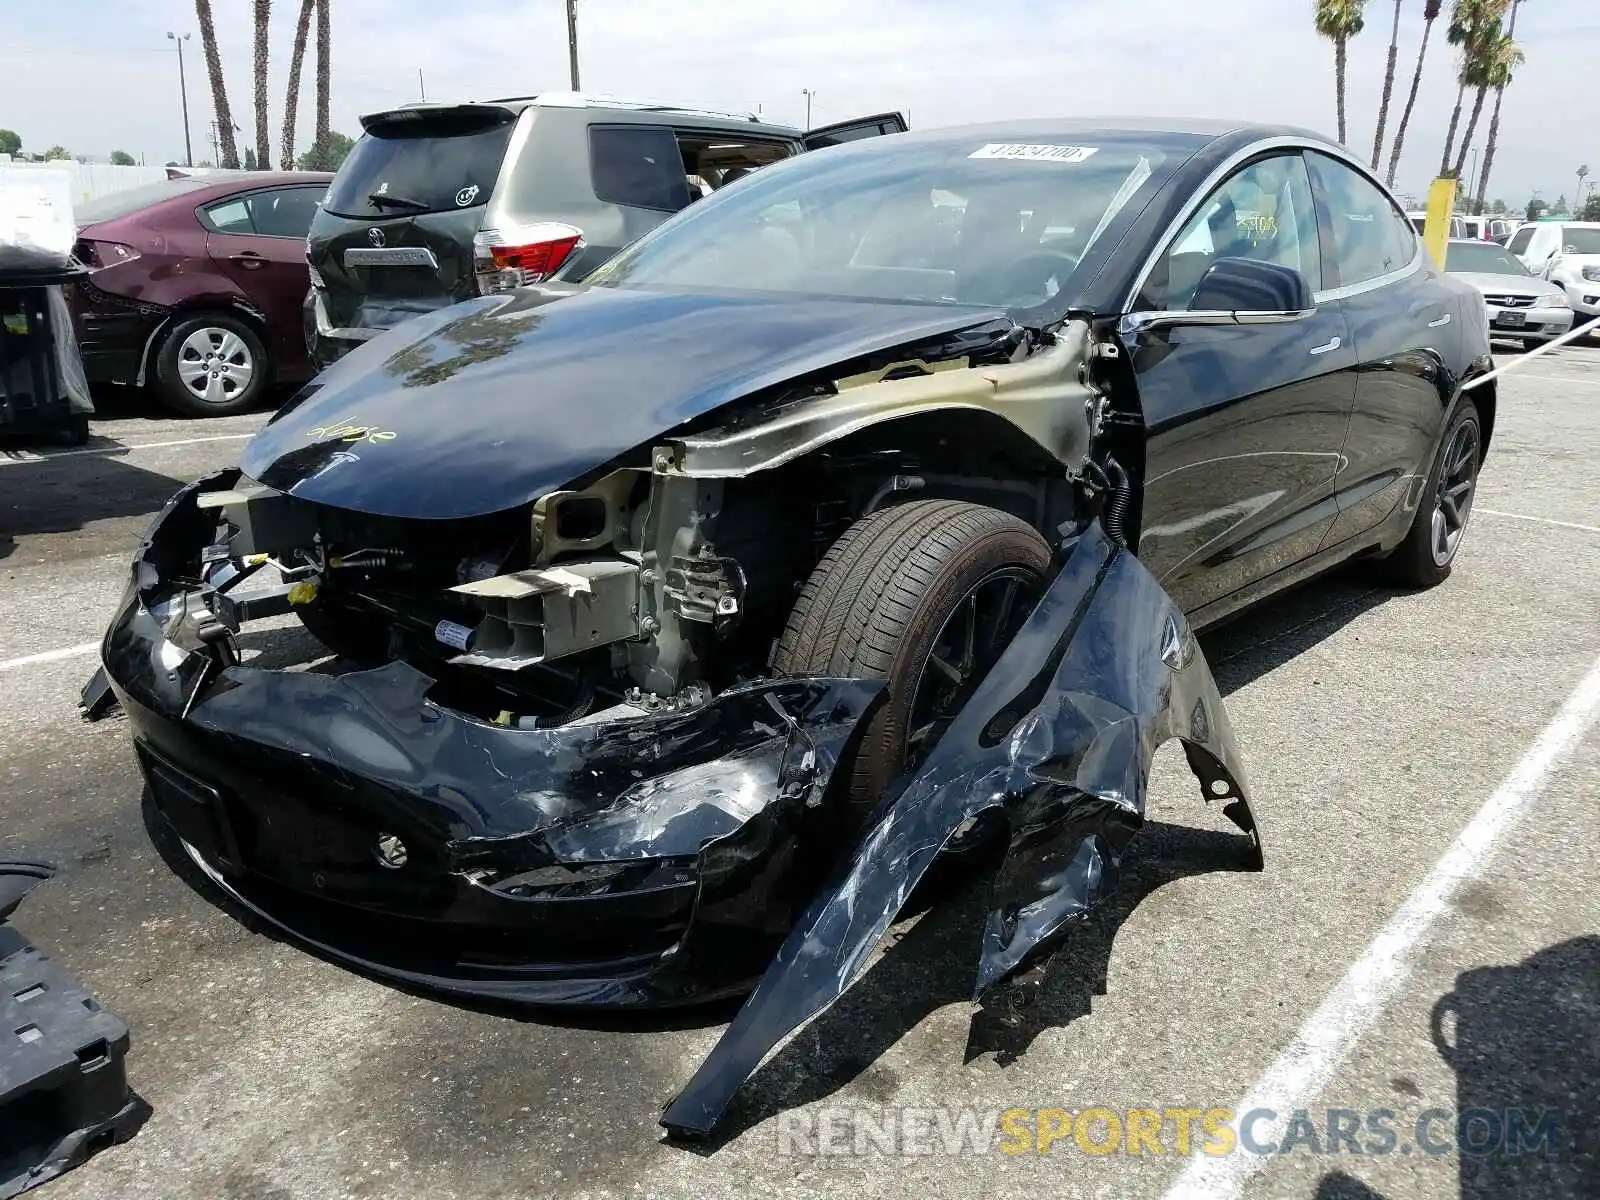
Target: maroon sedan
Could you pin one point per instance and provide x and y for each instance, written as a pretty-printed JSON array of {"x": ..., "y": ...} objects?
[{"x": 196, "y": 286}]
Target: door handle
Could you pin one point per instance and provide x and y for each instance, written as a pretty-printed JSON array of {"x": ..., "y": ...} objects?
[
  {"x": 247, "y": 258},
  {"x": 1331, "y": 344},
  {"x": 1444, "y": 320}
]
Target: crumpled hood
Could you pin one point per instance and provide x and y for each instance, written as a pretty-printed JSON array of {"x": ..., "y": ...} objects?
[{"x": 489, "y": 404}]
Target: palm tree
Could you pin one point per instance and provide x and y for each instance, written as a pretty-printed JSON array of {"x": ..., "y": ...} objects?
[
  {"x": 1339, "y": 21},
  {"x": 1388, "y": 86},
  {"x": 1430, "y": 14},
  {"x": 291, "y": 103},
  {"x": 324, "y": 81},
  {"x": 1469, "y": 25},
  {"x": 1488, "y": 57},
  {"x": 263, "y": 13},
  {"x": 229, "y": 150},
  {"x": 1509, "y": 50}
]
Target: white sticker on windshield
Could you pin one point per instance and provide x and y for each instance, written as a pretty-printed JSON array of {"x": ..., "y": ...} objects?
[
  {"x": 466, "y": 196},
  {"x": 1018, "y": 150}
]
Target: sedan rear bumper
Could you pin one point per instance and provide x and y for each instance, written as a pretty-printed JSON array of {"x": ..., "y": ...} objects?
[{"x": 114, "y": 334}]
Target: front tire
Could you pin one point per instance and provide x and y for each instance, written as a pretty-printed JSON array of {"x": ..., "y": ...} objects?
[
  {"x": 1424, "y": 559},
  {"x": 211, "y": 365},
  {"x": 925, "y": 595},
  {"x": 359, "y": 637}
]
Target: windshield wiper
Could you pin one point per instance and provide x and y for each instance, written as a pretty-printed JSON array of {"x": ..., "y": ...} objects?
[{"x": 385, "y": 200}]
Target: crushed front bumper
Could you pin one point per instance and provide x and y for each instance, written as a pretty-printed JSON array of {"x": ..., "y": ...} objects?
[
  {"x": 666, "y": 859},
  {"x": 644, "y": 861}
]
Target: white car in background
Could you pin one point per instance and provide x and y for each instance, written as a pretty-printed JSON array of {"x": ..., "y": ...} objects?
[
  {"x": 1521, "y": 305},
  {"x": 1487, "y": 229},
  {"x": 1419, "y": 222},
  {"x": 1568, "y": 255}
]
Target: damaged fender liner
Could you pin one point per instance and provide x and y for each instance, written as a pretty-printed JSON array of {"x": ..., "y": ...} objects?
[{"x": 1058, "y": 739}]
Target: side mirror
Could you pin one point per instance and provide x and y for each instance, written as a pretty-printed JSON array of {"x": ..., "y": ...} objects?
[
  {"x": 1237, "y": 291},
  {"x": 1245, "y": 286}
]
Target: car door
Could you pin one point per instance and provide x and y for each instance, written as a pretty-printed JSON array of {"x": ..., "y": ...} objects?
[
  {"x": 854, "y": 130},
  {"x": 1244, "y": 421},
  {"x": 259, "y": 241},
  {"x": 1405, "y": 320}
]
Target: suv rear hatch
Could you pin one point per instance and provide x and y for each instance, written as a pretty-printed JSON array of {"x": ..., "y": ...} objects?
[{"x": 394, "y": 237}]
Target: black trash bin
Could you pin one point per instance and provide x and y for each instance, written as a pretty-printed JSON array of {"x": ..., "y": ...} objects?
[{"x": 35, "y": 393}]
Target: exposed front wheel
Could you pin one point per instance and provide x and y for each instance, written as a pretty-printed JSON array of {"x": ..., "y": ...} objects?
[
  {"x": 925, "y": 595},
  {"x": 355, "y": 635}
]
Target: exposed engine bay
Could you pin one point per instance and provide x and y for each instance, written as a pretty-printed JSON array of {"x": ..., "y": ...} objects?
[{"x": 658, "y": 585}]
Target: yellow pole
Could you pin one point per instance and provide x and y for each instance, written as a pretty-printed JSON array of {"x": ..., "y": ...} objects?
[{"x": 1441, "y": 207}]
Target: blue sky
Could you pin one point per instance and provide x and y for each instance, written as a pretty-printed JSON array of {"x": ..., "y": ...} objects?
[{"x": 97, "y": 75}]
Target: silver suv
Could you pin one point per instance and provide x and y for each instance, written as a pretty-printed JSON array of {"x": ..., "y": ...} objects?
[{"x": 440, "y": 202}]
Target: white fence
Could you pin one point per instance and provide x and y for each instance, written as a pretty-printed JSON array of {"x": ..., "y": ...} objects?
[{"x": 90, "y": 181}]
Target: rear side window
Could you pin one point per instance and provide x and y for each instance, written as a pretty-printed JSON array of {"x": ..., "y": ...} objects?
[
  {"x": 638, "y": 166},
  {"x": 1371, "y": 237},
  {"x": 281, "y": 212},
  {"x": 230, "y": 216},
  {"x": 436, "y": 163}
]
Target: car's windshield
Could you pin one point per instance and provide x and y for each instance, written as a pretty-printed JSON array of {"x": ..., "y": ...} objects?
[
  {"x": 1482, "y": 258},
  {"x": 1581, "y": 241},
  {"x": 974, "y": 222},
  {"x": 433, "y": 163}
]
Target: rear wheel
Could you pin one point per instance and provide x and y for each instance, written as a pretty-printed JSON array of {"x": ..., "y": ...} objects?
[
  {"x": 925, "y": 595},
  {"x": 1425, "y": 557},
  {"x": 211, "y": 366}
]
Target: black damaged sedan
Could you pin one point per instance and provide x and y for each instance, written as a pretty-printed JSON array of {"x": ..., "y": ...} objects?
[{"x": 859, "y": 515}]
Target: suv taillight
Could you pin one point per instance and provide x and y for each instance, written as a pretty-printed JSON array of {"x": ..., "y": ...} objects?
[{"x": 508, "y": 258}]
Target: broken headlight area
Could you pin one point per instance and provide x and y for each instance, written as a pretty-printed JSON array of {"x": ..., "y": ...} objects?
[{"x": 625, "y": 856}]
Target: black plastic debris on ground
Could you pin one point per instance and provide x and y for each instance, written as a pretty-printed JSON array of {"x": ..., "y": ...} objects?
[{"x": 63, "y": 1085}]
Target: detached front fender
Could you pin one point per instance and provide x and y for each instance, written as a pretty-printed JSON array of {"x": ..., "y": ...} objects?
[{"x": 1058, "y": 740}]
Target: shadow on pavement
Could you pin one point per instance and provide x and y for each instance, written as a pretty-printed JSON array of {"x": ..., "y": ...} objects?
[
  {"x": 1524, "y": 1042},
  {"x": 1336, "y": 1185},
  {"x": 934, "y": 963},
  {"x": 48, "y": 497}
]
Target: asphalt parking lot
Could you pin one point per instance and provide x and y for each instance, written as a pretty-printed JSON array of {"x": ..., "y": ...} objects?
[{"x": 1379, "y": 728}]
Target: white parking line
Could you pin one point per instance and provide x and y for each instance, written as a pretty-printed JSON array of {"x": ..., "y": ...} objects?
[
  {"x": 1558, "y": 378},
  {"x": 19, "y": 457},
  {"x": 1495, "y": 512},
  {"x": 49, "y": 656},
  {"x": 1308, "y": 1063}
]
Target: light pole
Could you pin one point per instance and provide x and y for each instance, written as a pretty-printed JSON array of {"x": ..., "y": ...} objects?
[
  {"x": 808, "y": 94},
  {"x": 183, "y": 90},
  {"x": 572, "y": 41}
]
